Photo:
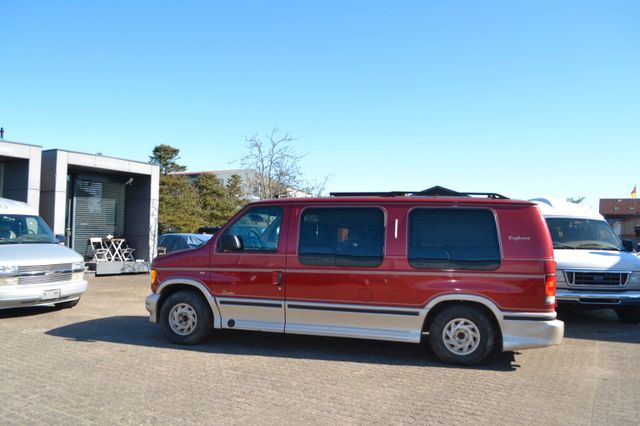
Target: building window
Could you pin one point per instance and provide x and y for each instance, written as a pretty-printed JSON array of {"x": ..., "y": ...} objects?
[{"x": 341, "y": 237}]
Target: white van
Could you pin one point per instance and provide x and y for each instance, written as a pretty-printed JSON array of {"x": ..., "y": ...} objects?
[
  {"x": 34, "y": 268},
  {"x": 594, "y": 267}
]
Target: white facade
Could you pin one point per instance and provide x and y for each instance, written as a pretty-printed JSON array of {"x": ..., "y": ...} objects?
[{"x": 20, "y": 172}]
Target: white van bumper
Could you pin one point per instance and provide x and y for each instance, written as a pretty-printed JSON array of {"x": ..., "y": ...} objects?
[
  {"x": 587, "y": 297},
  {"x": 16, "y": 296}
]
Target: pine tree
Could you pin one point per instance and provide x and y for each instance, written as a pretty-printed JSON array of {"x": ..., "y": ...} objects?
[{"x": 180, "y": 209}]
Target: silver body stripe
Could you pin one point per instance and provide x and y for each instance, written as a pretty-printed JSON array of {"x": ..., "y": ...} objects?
[
  {"x": 252, "y": 314},
  {"x": 447, "y": 274}
]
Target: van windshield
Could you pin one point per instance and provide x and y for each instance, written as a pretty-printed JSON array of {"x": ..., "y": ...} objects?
[
  {"x": 583, "y": 234},
  {"x": 23, "y": 229}
]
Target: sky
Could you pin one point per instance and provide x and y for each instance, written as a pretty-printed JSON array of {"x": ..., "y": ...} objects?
[{"x": 523, "y": 98}]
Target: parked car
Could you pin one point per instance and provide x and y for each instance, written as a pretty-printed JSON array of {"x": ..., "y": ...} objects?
[
  {"x": 180, "y": 241},
  {"x": 208, "y": 230},
  {"x": 470, "y": 274},
  {"x": 595, "y": 269},
  {"x": 34, "y": 268}
]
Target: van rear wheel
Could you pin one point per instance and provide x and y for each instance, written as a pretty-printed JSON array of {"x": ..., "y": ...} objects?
[
  {"x": 461, "y": 335},
  {"x": 186, "y": 318},
  {"x": 628, "y": 314}
]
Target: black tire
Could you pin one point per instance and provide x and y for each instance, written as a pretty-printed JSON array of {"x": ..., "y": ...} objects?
[
  {"x": 629, "y": 314},
  {"x": 68, "y": 304},
  {"x": 186, "y": 318},
  {"x": 476, "y": 337}
]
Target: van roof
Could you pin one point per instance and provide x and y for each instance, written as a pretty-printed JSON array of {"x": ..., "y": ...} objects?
[
  {"x": 16, "y": 207},
  {"x": 397, "y": 200},
  {"x": 556, "y": 207}
]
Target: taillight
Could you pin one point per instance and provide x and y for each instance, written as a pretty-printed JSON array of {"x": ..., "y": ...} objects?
[{"x": 550, "y": 283}]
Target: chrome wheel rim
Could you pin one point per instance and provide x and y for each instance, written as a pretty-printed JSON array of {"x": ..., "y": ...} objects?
[
  {"x": 183, "y": 319},
  {"x": 461, "y": 336}
]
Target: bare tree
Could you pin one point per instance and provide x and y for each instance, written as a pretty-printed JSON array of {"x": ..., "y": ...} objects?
[{"x": 276, "y": 167}]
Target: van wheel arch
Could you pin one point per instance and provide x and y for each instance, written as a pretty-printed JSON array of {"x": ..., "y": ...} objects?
[
  {"x": 174, "y": 288},
  {"x": 433, "y": 312}
]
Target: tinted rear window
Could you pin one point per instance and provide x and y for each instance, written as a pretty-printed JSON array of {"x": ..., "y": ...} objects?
[
  {"x": 341, "y": 237},
  {"x": 453, "y": 239}
]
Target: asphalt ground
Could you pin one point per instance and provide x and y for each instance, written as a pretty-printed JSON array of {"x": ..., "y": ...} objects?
[{"x": 103, "y": 362}]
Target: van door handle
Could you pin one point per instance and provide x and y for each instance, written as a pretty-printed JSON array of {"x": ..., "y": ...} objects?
[{"x": 277, "y": 277}]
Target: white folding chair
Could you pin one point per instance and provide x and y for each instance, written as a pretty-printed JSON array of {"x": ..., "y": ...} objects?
[
  {"x": 127, "y": 253},
  {"x": 100, "y": 252}
]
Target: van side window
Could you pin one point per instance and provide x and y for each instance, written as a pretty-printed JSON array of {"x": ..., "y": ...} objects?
[
  {"x": 258, "y": 228},
  {"x": 453, "y": 239},
  {"x": 341, "y": 237}
]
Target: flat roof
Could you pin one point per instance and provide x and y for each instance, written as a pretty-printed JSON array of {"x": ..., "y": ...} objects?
[
  {"x": 98, "y": 155},
  {"x": 20, "y": 143}
]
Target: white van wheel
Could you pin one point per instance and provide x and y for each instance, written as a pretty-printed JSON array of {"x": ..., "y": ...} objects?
[
  {"x": 628, "y": 314},
  {"x": 68, "y": 304}
]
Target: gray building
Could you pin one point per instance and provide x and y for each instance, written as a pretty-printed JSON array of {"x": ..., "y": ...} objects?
[
  {"x": 86, "y": 195},
  {"x": 20, "y": 172}
]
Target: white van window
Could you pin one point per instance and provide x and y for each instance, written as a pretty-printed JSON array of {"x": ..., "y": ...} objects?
[
  {"x": 21, "y": 229},
  {"x": 571, "y": 233}
]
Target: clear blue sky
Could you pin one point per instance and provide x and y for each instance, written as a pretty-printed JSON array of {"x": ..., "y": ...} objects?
[{"x": 524, "y": 98}]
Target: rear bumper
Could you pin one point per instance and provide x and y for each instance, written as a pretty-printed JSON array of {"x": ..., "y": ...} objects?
[
  {"x": 597, "y": 298},
  {"x": 16, "y": 296},
  {"x": 525, "y": 332}
]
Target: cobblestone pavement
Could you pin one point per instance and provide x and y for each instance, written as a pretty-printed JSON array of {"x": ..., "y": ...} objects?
[{"x": 102, "y": 362}]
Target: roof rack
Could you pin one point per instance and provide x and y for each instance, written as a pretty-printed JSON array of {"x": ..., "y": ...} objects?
[
  {"x": 491, "y": 195},
  {"x": 436, "y": 191}
]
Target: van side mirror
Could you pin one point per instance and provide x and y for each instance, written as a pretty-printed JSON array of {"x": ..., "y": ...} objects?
[
  {"x": 628, "y": 245},
  {"x": 230, "y": 242},
  {"x": 61, "y": 239}
]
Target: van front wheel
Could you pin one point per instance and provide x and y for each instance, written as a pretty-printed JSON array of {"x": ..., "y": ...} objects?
[
  {"x": 186, "y": 318},
  {"x": 461, "y": 335},
  {"x": 629, "y": 314},
  {"x": 68, "y": 304}
]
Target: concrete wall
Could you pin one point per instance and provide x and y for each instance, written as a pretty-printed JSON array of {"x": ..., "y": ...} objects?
[
  {"x": 53, "y": 190},
  {"x": 21, "y": 172},
  {"x": 141, "y": 214}
]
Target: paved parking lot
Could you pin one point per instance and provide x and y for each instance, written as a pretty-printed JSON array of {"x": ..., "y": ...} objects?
[{"x": 102, "y": 362}]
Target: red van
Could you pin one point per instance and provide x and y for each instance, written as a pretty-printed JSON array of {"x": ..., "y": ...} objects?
[{"x": 470, "y": 274}]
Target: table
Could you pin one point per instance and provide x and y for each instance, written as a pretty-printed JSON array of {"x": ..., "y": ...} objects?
[{"x": 117, "y": 249}]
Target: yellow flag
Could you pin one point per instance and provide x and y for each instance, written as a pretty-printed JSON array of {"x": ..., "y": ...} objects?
[{"x": 633, "y": 193}]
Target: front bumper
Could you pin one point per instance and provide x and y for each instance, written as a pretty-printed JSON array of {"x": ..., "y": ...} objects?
[
  {"x": 525, "y": 333},
  {"x": 17, "y": 296},
  {"x": 151, "y": 303},
  {"x": 597, "y": 298}
]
